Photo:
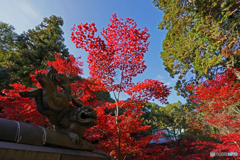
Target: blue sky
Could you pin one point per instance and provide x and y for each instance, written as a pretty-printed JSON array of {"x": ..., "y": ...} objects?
[{"x": 26, "y": 14}]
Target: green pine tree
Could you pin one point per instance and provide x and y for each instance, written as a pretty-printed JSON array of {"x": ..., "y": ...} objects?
[
  {"x": 34, "y": 47},
  {"x": 8, "y": 48}
]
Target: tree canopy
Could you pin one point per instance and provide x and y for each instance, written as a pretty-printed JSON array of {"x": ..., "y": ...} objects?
[
  {"x": 22, "y": 54},
  {"x": 202, "y": 38}
]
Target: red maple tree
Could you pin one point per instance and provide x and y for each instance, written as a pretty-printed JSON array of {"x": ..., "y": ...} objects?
[{"x": 120, "y": 55}]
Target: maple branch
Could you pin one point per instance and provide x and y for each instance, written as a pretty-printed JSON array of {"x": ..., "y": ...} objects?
[
  {"x": 235, "y": 9},
  {"x": 117, "y": 112},
  {"x": 123, "y": 104},
  {"x": 121, "y": 81},
  {"x": 231, "y": 28},
  {"x": 128, "y": 102},
  {"x": 223, "y": 129},
  {"x": 238, "y": 111},
  {"x": 108, "y": 137},
  {"x": 113, "y": 91},
  {"x": 116, "y": 119}
]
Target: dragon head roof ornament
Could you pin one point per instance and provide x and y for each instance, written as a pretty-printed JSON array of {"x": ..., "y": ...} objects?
[{"x": 70, "y": 120}]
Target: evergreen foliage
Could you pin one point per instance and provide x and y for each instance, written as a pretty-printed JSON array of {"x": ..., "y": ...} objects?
[
  {"x": 202, "y": 39},
  {"x": 8, "y": 49},
  {"x": 22, "y": 54},
  {"x": 171, "y": 118}
]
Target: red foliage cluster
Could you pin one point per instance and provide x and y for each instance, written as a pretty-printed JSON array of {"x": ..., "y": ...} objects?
[
  {"x": 149, "y": 89},
  {"x": 18, "y": 108},
  {"x": 216, "y": 97},
  {"x": 219, "y": 99},
  {"x": 67, "y": 67},
  {"x": 122, "y": 51}
]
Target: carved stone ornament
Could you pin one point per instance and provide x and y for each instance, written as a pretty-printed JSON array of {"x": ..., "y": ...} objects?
[{"x": 69, "y": 120}]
